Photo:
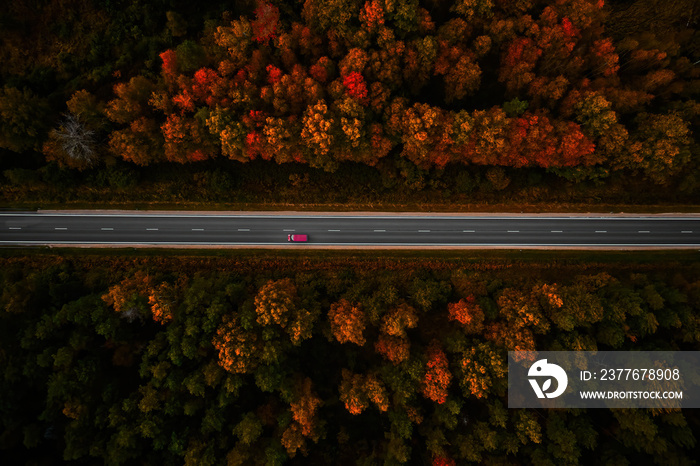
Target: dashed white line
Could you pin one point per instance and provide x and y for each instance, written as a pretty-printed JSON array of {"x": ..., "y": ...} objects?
[
  {"x": 513, "y": 231},
  {"x": 60, "y": 228},
  {"x": 244, "y": 229},
  {"x": 106, "y": 229},
  {"x": 287, "y": 229},
  {"x": 197, "y": 229},
  {"x": 151, "y": 229},
  {"x": 379, "y": 231},
  {"x": 423, "y": 231},
  {"x": 15, "y": 228},
  {"x": 468, "y": 231},
  {"x": 601, "y": 231},
  {"x": 333, "y": 230},
  {"x": 686, "y": 231},
  {"x": 643, "y": 231},
  {"x": 557, "y": 231}
]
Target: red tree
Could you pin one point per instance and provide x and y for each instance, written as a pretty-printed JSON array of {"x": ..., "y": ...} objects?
[
  {"x": 355, "y": 86},
  {"x": 437, "y": 377},
  {"x": 468, "y": 313},
  {"x": 266, "y": 21},
  {"x": 169, "y": 68}
]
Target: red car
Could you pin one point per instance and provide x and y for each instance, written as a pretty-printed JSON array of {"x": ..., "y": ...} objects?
[{"x": 297, "y": 238}]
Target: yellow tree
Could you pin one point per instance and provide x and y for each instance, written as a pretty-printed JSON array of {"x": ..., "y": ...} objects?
[
  {"x": 274, "y": 303},
  {"x": 317, "y": 126},
  {"x": 357, "y": 391},
  {"x": 664, "y": 141},
  {"x": 238, "y": 348}
]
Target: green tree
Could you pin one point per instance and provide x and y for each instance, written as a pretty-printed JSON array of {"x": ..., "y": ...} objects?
[{"x": 23, "y": 119}]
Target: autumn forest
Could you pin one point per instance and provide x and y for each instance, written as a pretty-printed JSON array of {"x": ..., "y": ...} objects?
[
  {"x": 462, "y": 97},
  {"x": 343, "y": 360}
]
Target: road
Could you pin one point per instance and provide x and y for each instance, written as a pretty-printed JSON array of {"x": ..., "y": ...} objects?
[{"x": 348, "y": 230}]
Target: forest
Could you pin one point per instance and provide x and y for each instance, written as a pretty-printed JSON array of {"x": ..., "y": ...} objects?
[
  {"x": 265, "y": 359},
  {"x": 270, "y": 358},
  {"x": 463, "y": 97}
]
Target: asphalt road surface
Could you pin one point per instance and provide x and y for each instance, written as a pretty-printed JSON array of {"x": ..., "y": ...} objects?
[{"x": 180, "y": 229}]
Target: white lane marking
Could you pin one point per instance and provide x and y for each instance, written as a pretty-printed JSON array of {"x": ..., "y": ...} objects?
[
  {"x": 151, "y": 229},
  {"x": 468, "y": 231},
  {"x": 106, "y": 229},
  {"x": 287, "y": 229},
  {"x": 557, "y": 231},
  {"x": 60, "y": 228},
  {"x": 643, "y": 231},
  {"x": 15, "y": 228},
  {"x": 244, "y": 229},
  {"x": 601, "y": 231},
  {"x": 197, "y": 229},
  {"x": 333, "y": 230},
  {"x": 513, "y": 231},
  {"x": 379, "y": 231},
  {"x": 686, "y": 231},
  {"x": 423, "y": 231}
]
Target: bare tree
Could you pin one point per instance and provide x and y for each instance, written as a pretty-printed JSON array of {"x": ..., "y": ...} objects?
[{"x": 76, "y": 140}]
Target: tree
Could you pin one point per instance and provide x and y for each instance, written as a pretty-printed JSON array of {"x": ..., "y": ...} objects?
[
  {"x": 468, "y": 313},
  {"x": 372, "y": 15},
  {"x": 23, "y": 119},
  {"x": 385, "y": 66},
  {"x": 419, "y": 63},
  {"x": 426, "y": 135},
  {"x": 357, "y": 391},
  {"x": 323, "y": 70},
  {"x": 396, "y": 321},
  {"x": 595, "y": 114},
  {"x": 437, "y": 376},
  {"x": 185, "y": 139},
  {"x": 317, "y": 132},
  {"x": 190, "y": 56},
  {"x": 238, "y": 348},
  {"x": 140, "y": 143},
  {"x": 395, "y": 349},
  {"x": 169, "y": 67},
  {"x": 487, "y": 135},
  {"x": 129, "y": 297},
  {"x": 355, "y": 86},
  {"x": 604, "y": 57},
  {"x": 89, "y": 109},
  {"x": 481, "y": 371},
  {"x": 237, "y": 40},
  {"x": 163, "y": 299},
  {"x": 304, "y": 406},
  {"x": 281, "y": 141},
  {"x": 274, "y": 303},
  {"x": 132, "y": 100},
  {"x": 462, "y": 75},
  {"x": 347, "y": 322},
  {"x": 664, "y": 145},
  {"x": 231, "y": 134},
  {"x": 71, "y": 144},
  {"x": 518, "y": 63},
  {"x": 266, "y": 22}
]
